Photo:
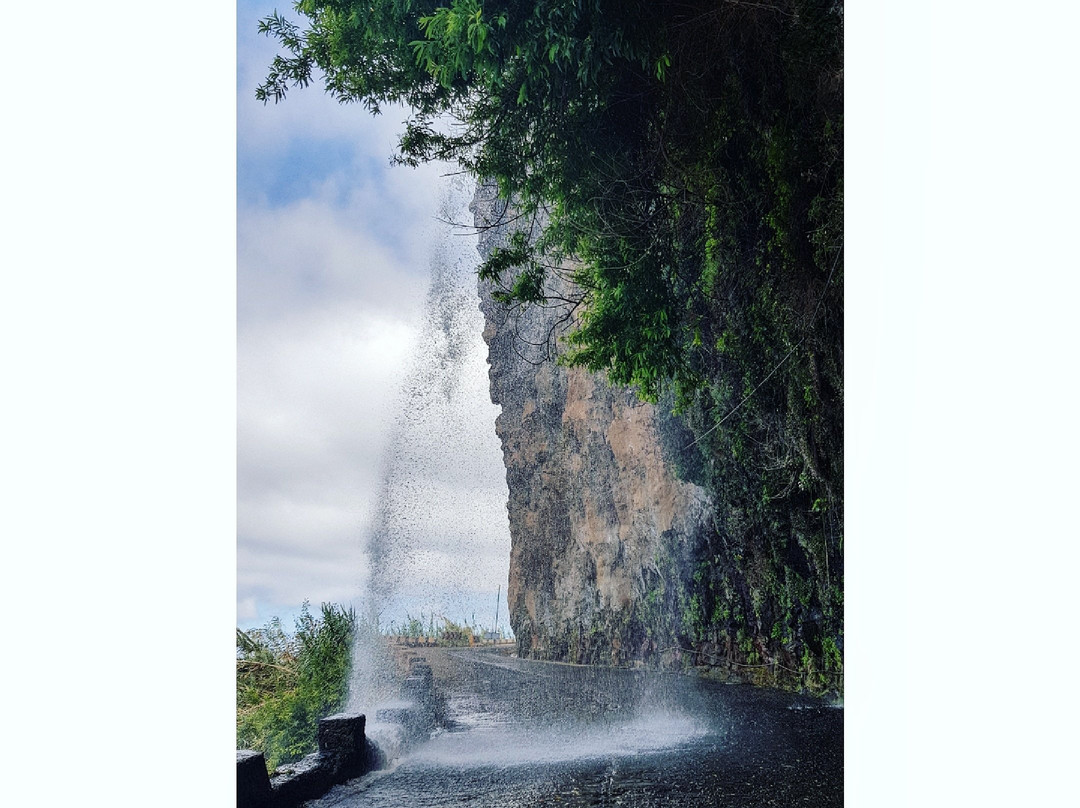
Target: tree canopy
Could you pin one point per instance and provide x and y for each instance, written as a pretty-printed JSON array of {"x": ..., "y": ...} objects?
[{"x": 622, "y": 119}]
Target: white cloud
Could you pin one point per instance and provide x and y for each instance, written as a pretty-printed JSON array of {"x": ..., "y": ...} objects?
[
  {"x": 246, "y": 610},
  {"x": 333, "y": 256},
  {"x": 345, "y": 373},
  {"x": 312, "y": 252},
  {"x": 305, "y": 113},
  {"x": 315, "y": 403},
  {"x": 277, "y": 581},
  {"x": 308, "y": 116}
]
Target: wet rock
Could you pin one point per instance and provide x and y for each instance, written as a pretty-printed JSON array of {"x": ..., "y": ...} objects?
[
  {"x": 344, "y": 753},
  {"x": 592, "y": 499},
  {"x": 418, "y": 689},
  {"x": 421, "y": 668},
  {"x": 421, "y": 692},
  {"x": 395, "y": 715},
  {"x": 343, "y": 741},
  {"x": 412, "y": 718},
  {"x": 306, "y": 779},
  {"x": 252, "y": 781},
  {"x": 418, "y": 711},
  {"x": 342, "y": 734}
]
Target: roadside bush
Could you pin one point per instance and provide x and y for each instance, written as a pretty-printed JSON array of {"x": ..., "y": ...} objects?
[{"x": 286, "y": 682}]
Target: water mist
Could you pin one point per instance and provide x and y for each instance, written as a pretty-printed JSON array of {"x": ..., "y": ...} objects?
[{"x": 439, "y": 539}]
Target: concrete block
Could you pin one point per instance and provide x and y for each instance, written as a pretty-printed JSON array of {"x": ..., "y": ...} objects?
[
  {"x": 420, "y": 688},
  {"x": 342, "y": 734},
  {"x": 413, "y": 719},
  {"x": 307, "y": 779},
  {"x": 252, "y": 781}
]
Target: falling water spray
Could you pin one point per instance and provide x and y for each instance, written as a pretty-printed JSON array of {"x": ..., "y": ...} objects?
[{"x": 439, "y": 537}]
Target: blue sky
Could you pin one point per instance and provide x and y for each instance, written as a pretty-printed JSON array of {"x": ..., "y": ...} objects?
[{"x": 333, "y": 254}]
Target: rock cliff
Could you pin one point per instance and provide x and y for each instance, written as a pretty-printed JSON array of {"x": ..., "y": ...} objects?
[
  {"x": 593, "y": 502},
  {"x": 616, "y": 556}
]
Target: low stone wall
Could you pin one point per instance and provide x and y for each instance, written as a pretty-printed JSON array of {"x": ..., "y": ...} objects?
[
  {"x": 344, "y": 753},
  {"x": 440, "y": 642},
  {"x": 252, "y": 781}
]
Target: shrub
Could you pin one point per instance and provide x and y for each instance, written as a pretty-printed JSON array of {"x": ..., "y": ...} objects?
[{"x": 286, "y": 682}]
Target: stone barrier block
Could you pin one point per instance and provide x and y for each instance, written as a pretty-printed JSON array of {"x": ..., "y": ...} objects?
[
  {"x": 395, "y": 715},
  {"x": 423, "y": 673},
  {"x": 418, "y": 689},
  {"x": 374, "y": 759},
  {"x": 306, "y": 779},
  {"x": 409, "y": 718},
  {"x": 414, "y": 718},
  {"x": 252, "y": 781},
  {"x": 342, "y": 734}
]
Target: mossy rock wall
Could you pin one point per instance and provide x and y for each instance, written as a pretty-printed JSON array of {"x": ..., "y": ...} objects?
[{"x": 631, "y": 542}]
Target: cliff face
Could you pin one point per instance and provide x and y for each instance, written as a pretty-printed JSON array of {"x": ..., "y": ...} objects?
[
  {"x": 593, "y": 503},
  {"x": 616, "y": 556}
]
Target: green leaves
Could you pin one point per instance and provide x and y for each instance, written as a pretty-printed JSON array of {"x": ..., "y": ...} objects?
[
  {"x": 662, "y": 64},
  {"x": 457, "y": 45},
  {"x": 286, "y": 683}
]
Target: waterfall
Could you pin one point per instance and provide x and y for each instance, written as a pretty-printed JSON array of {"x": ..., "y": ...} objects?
[{"x": 439, "y": 540}]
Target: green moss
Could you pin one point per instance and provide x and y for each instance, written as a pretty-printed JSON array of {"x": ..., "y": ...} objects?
[{"x": 831, "y": 654}]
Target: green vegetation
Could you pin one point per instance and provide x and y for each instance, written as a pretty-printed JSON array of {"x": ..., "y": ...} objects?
[
  {"x": 442, "y": 632},
  {"x": 286, "y": 682},
  {"x": 687, "y": 156}
]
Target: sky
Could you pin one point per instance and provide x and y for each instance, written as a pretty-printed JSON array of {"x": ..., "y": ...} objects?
[{"x": 334, "y": 253}]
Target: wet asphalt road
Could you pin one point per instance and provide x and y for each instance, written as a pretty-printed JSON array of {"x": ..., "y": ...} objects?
[{"x": 521, "y": 733}]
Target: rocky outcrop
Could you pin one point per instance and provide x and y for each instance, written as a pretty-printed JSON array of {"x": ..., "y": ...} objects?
[{"x": 593, "y": 503}]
